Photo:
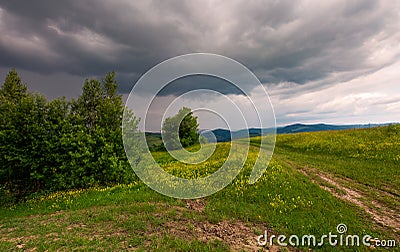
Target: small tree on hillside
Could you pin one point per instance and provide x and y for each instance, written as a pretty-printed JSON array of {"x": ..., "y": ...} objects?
[{"x": 182, "y": 127}]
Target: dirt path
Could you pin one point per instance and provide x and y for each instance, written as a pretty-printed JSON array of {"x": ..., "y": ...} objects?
[{"x": 339, "y": 187}]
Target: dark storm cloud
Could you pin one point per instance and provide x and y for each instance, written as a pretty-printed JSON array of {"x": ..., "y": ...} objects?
[
  {"x": 298, "y": 42},
  {"x": 193, "y": 82}
]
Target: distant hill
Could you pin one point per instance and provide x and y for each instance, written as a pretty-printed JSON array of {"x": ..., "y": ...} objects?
[
  {"x": 294, "y": 128},
  {"x": 224, "y": 135},
  {"x": 153, "y": 139}
]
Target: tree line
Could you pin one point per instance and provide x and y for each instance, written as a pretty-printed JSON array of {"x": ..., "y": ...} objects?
[{"x": 61, "y": 144}]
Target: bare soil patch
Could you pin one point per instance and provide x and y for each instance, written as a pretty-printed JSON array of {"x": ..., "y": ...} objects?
[{"x": 237, "y": 235}]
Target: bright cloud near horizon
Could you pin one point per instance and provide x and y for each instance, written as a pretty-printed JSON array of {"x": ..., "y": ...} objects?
[{"x": 321, "y": 61}]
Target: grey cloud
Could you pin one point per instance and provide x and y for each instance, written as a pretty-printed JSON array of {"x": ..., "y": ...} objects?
[
  {"x": 284, "y": 41},
  {"x": 388, "y": 101},
  {"x": 193, "y": 82}
]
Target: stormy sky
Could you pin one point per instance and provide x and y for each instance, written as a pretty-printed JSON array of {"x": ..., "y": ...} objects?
[{"x": 321, "y": 61}]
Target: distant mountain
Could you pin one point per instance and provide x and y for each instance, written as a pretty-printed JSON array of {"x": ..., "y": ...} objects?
[
  {"x": 295, "y": 128},
  {"x": 224, "y": 135}
]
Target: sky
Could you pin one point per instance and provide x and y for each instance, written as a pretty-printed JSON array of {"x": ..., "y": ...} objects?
[{"x": 320, "y": 61}]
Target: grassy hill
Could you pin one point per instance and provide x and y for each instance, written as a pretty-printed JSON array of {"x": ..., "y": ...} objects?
[
  {"x": 153, "y": 139},
  {"x": 224, "y": 135},
  {"x": 314, "y": 182}
]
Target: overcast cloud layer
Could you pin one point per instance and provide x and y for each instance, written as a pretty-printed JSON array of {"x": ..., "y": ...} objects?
[{"x": 330, "y": 61}]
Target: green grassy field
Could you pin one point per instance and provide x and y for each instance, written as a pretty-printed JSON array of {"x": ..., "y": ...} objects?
[{"x": 314, "y": 182}]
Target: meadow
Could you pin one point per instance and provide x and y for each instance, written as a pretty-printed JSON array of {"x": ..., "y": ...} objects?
[{"x": 314, "y": 182}]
